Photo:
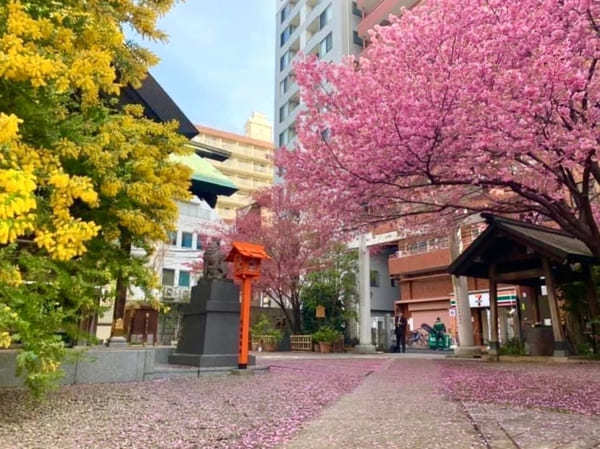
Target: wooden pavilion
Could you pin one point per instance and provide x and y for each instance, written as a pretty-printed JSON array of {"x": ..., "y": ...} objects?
[{"x": 519, "y": 253}]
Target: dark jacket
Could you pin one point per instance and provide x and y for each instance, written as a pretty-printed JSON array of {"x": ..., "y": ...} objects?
[{"x": 401, "y": 326}]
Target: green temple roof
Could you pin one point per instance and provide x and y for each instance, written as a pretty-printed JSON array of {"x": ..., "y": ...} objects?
[{"x": 206, "y": 177}]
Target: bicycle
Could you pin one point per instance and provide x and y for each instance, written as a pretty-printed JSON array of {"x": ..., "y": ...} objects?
[{"x": 418, "y": 338}]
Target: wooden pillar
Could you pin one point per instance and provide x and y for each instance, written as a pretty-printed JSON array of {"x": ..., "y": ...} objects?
[
  {"x": 592, "y": 296},
  {"x": 517, "y": 320},
  {"x": 560, "y": 347},
  {"x": 494, "y": 346},
  {"x": 245, "y": 322},
  {"x": 535, "y": 304}
]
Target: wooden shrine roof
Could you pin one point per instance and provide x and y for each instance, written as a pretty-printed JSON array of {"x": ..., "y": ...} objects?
[{"x": 518, "y": 247}]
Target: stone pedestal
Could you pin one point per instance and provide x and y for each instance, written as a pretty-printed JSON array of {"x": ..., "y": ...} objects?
[
  {"x": 365, "y": 349},
  {"x": 468, "y": 351},
  {"x": 117, "y": 341},
  {"x": 210, "y": 328}
]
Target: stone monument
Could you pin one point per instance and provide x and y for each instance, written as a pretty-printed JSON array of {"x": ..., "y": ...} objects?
[{"x": 210, "y": 328}]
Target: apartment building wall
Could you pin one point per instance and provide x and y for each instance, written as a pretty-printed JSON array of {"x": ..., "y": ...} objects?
[
  {"x": 323, "y": 27},
  {"x": 250, "y": 165},
  {"x": 384, "y": 290}
]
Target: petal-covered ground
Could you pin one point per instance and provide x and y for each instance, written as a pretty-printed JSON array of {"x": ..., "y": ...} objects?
[
  {"x": 568, "y": 387},
  {"x": 211, "y": 412}
]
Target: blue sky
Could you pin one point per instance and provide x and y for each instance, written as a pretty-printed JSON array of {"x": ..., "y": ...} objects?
[{"x": 218, "y": 65}]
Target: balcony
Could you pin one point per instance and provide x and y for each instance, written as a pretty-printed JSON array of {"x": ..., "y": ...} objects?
[
  {"x": 378, "y": 12},
  {"x": 368, "y": 5},
  {"x": 401, "y": 264}
]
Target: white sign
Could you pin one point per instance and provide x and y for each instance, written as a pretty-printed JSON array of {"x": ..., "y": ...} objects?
[
  {"x": 452, "y": 312},
  {"x": 477, "y": 300}
]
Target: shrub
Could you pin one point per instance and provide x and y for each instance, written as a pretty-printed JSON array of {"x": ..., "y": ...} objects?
[
  {"x": 264, "y": 326},
  {"x": 326, "y": 334},
  {"x": 513, "y": 347}
]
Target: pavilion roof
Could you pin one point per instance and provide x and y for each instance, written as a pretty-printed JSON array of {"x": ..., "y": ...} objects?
[{"x": 518, "y": 246}]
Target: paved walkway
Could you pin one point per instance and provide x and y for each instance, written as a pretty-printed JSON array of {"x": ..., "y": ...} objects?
[{"x": 400, "y": 406}]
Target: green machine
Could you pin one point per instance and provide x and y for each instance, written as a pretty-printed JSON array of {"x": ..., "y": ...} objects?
[{"x": 434, "y": 342}]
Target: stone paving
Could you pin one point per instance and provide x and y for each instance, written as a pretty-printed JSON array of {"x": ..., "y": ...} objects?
[
  {"x": 401, "y": 406},
  {"x": 506, "y": 427}
]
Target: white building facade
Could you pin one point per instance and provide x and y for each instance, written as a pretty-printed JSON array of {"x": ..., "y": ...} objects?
[{"x": 326, "y": 28}]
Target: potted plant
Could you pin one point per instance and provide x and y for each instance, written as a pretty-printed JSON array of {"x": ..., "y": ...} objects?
[
  {"x": 326, "y": 336},
  {"x": 270, "y": 341}
]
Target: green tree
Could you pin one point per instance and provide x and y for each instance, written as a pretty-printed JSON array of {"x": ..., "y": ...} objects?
[
  {"x": 335, "y": 288},
  {"x": 81, "y": 180}
]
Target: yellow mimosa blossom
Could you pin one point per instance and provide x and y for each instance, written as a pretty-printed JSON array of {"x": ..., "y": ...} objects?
[{"x": 5, "y": 339}]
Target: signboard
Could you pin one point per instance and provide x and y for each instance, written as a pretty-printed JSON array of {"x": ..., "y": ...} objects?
[
  {"x": 477, "y": 300},
  {"x": 482, "y": 300},
  {"x": 320, "y": 311},
  {"x": 452, "y": 311}
]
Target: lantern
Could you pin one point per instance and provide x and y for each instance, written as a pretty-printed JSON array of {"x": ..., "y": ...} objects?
[{"x": 246, "y": 258}]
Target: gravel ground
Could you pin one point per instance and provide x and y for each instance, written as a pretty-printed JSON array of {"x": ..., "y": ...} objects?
[
  {"x": 566, "y": 387},
  {"x": 210, "y": 412}
]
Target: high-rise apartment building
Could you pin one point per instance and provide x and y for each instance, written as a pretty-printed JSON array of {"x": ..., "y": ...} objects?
[
  {"x": 326, "y": 28},
  {"x": 377, "y": 12},
  {"x": 250, "y": 162}
]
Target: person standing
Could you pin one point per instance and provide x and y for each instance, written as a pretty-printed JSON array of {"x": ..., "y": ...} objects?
[
  {"x": 401, "y": 332},
  {"x": 440, "y": 329}
]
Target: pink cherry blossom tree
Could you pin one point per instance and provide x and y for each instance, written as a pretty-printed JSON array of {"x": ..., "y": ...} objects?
[
  {"x": 459, "y": 107},
  {"x": 297, "y": 240}
]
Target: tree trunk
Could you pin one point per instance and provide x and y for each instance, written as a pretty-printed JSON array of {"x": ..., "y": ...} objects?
[{"x": 118, "y": 329}]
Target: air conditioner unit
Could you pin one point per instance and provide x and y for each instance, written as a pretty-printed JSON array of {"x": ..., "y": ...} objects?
[{"x": 169, "y": 293}]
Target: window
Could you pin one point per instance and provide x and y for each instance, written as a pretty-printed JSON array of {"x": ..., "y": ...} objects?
[
  {"x": 286, "y": 83},
  {"x": 356, "y": 10},
  {"x": 291, "y": 132},
  {"x": 186, "y": 239},
  {"x": 282, "y": 113},
  {"x": 326, "y": 45},
  {"x": 184, "y": 278},
  {"x": 374, "y": 278},
  {"x": 286, "y": 34},
  {"x": 172, "y": 238},
  {"x": 285, "y": 12},
  {"x": 325, "y": 17},
  {"x": 198, "y": 242},
  {"x": 282, "y": 141},
  {"x": 285, "y": 60},
  {"x": 326, "y": 134},
  {"x": 283, "y": 85},
  {"x": 356, "y": 38},
  {"x": 168, "y": 276},
  {"x": 393, "y": 282}
]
